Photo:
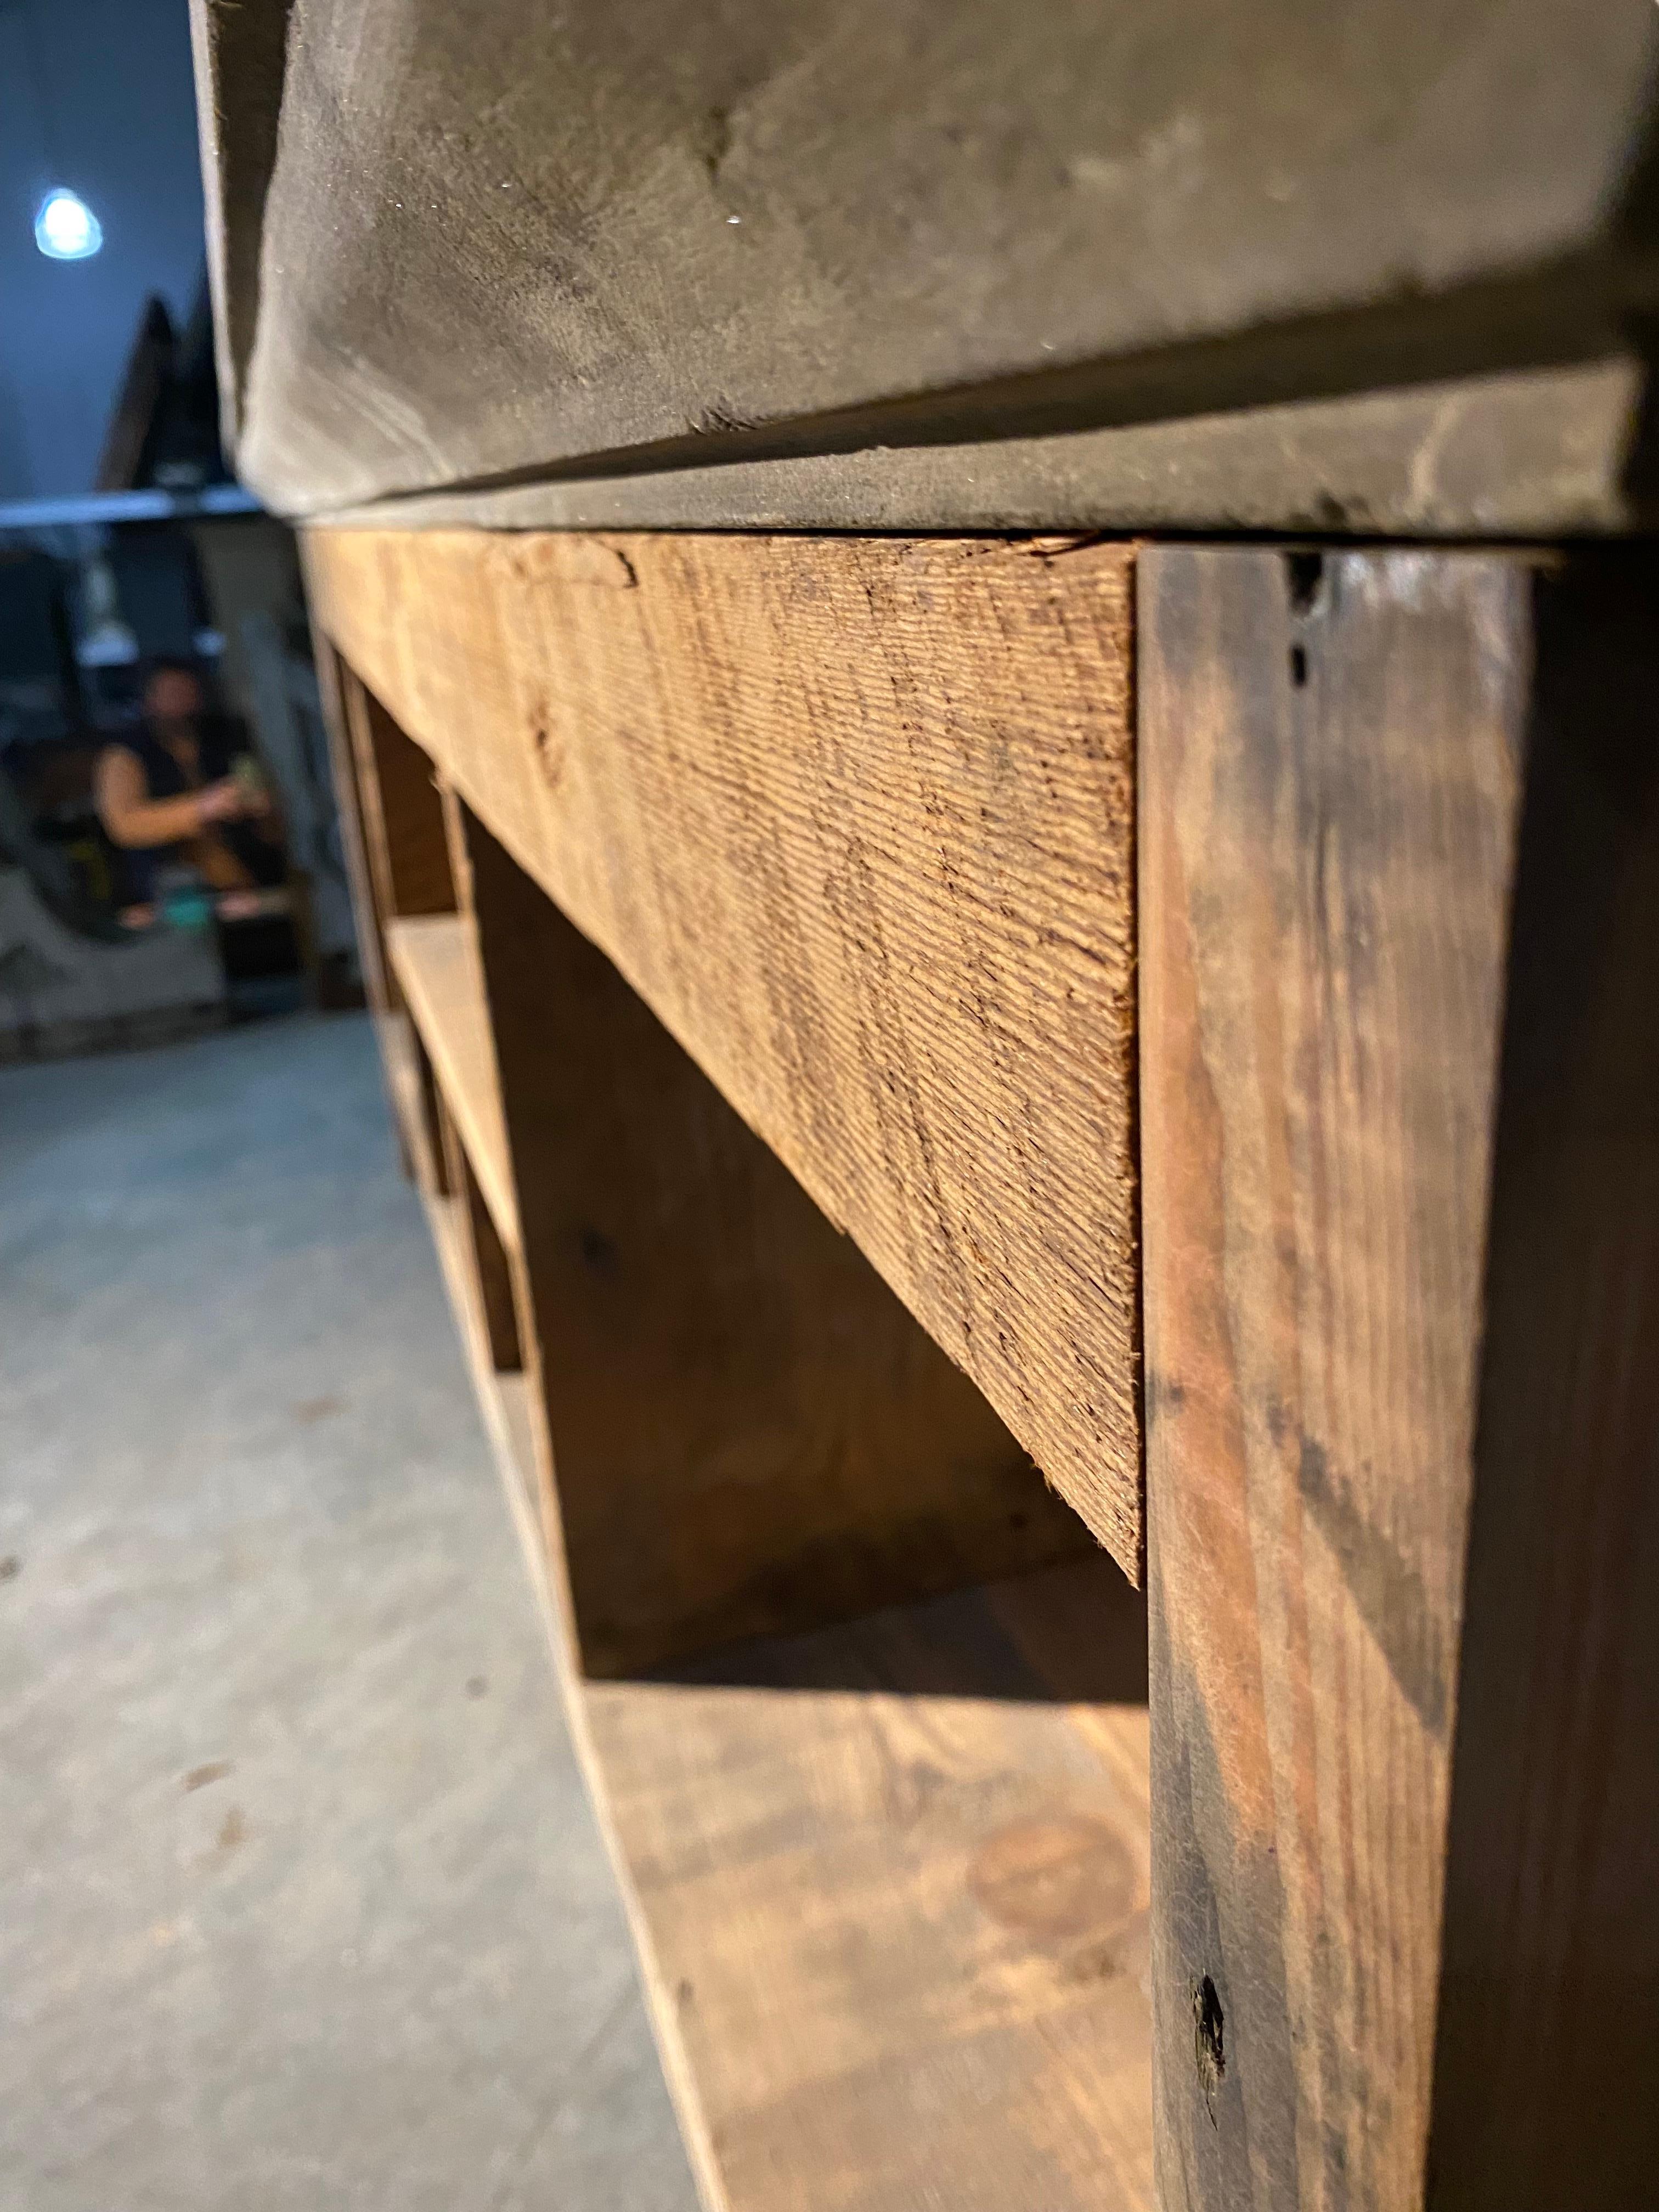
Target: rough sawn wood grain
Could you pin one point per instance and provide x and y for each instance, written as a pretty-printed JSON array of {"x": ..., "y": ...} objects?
[
  {"x": 855, "y": 817},
  {"x": 1330, "y": 783}
]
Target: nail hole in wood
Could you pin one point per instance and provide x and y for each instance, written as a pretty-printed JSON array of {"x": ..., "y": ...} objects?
[
  {"x": 1304, "y": 574},
  {"x": 1207, "y": 2048},
  {"x": 598, "y": 1250}
]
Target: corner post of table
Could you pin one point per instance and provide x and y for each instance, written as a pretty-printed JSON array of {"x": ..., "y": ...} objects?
[{"x": 1398, "y": 906}]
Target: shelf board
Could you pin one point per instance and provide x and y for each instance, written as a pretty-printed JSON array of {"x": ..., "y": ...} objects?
[
  {"x": 889, "y": 1881},
  {"x": 894, "y": 1893},
  {"x": 398, "y": 1058},
  {"x": 436, "y": 960},
  {"x": 503, "y": 1399}
]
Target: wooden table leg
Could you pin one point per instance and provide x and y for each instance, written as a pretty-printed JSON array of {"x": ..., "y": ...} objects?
[{"x": 1399, "y": 936}]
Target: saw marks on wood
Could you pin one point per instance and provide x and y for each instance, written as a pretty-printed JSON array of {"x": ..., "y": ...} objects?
[{"x": 855, "y": 818}]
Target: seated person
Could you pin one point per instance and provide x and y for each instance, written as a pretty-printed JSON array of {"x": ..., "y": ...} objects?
[{"x": 168, "y": 797}]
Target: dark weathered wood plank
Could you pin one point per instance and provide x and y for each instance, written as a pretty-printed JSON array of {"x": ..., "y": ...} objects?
[
  {"x": 400, "y": 810},
  {"x": 411, "y": 1120},
  {"x": 509, "y": 243},
  {"x": 855, "y": 819},
  {"x": 1528, "y": 455},
  {"x": 1550, "y": 1976},
  {"x": 333, "y": 682},
  {"x": 1363, "y": 1381}
]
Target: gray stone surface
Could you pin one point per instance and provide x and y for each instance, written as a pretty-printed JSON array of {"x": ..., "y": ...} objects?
[{"x": 300, "y": 1901}]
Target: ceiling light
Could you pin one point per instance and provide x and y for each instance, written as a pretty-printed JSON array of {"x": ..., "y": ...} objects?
[{"x": 65, "y": 227}]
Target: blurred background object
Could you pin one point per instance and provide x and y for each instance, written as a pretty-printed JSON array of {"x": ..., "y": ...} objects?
[
  {"x": 96, "y": 100},
  {"x": 124, "y": 538}
]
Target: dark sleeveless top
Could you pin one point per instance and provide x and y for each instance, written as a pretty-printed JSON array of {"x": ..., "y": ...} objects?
[{"x": 216, "y": 752}]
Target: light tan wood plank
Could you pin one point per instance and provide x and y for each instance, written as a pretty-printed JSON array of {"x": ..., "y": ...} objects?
[
  {"x": 855, "y": 818},
  {"x": 896, "y": 1901},
  {"x": 436, "y": 960}
]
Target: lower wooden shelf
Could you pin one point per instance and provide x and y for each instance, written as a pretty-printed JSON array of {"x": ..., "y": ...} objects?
[
  {"x": 889, "y": 1881},
  {"x": 435, "y": 958}
]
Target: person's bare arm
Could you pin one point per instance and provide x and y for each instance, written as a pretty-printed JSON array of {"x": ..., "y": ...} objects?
[{"x": 132, "y": 818}]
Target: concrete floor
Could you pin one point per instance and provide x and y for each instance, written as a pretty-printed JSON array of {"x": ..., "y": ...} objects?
[{"x": 300, "y": 1901}]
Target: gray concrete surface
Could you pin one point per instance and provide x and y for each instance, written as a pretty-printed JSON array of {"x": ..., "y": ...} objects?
[{"x": 301, "y": 1902}]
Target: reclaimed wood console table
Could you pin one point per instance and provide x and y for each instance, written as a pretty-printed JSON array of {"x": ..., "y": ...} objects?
[{"x": 997, "y": 690}]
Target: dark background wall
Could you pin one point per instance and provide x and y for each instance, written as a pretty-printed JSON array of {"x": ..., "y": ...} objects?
[{"x": 96, "y": 95}]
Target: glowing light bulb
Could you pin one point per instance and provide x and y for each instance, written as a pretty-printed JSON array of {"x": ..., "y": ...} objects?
[{"x": 65, "y": 227}]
